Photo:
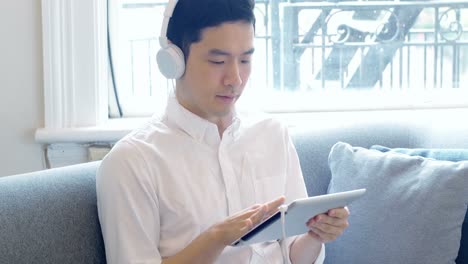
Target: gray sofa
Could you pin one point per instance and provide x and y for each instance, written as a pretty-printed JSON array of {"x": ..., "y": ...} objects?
[{"x": 50, "y": 216}]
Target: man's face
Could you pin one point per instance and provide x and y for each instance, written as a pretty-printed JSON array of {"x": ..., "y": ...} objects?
[{"x": 217, "y": 70}]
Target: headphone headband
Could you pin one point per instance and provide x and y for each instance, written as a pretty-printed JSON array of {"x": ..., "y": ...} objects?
[{"x": 165, "y": 23}]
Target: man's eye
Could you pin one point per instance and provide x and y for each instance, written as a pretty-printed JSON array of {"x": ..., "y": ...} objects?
[
  {"x": 217, "y": 62},
  {"x": 245, "y": 61}
]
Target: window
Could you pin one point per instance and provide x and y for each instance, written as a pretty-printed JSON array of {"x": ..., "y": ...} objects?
[
  {"x": 318, "y": 55},
  {"x": 310, "y": 56},
  {"x": 134, "y": 30}
]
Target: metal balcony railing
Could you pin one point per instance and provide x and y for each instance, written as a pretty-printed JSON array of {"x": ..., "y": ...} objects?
[
  {"x": 319, "y": 45},
  {"x": 378, "y": 43}
]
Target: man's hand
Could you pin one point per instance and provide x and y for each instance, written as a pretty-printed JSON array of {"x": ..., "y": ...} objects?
[
  {"x": 329, "y": 226},
  {"x": 207, "y": 247},
  {"x": 240, "y": 223}
]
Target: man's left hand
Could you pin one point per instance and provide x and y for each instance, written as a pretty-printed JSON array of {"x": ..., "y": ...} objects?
[{"x": 329, "y": 226}]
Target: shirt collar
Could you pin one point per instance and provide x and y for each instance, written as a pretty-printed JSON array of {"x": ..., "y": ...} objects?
[{"x": 200, "y": 129}]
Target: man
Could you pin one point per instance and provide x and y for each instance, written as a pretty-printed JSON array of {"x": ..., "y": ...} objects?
[{"x": 186, "y": 185}]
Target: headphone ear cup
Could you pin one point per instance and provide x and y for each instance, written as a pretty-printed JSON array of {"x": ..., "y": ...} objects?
[{"x": 171, "y": 61}]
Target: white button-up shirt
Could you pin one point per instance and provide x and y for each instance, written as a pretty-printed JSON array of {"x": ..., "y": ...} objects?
[{"x": 167, "y": 182}]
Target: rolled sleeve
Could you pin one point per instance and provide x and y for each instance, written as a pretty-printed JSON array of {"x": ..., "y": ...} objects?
[{"x": 321, "y": 257}]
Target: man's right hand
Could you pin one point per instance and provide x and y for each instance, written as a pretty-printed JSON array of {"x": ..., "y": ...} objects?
[
  {"x": 208, "y": 245},
  {"x": 237, "y": 225}
]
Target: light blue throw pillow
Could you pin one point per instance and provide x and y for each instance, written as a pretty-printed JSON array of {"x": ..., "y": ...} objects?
[
  {"x": 412, "y": 212},
  {"x": 439, "y": 154}
]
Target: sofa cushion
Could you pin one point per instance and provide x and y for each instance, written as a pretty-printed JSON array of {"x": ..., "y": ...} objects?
[
  {"x": 412, "y": 212},
  {"x": 438, "y": 154}
]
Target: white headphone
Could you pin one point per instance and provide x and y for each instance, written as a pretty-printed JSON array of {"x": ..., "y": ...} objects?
[{"x": 170, "y": 58}]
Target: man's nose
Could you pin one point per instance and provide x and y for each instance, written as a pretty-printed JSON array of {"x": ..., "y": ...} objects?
[{"x": 233, "y": 77}]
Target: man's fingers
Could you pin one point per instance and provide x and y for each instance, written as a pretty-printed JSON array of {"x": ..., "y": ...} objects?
[
  {"x": 258, "y": 216},
  {"x": 255, "y": 206},
  {"x": 329, "y": 226},
  {"x": 324, "y": 219},
  {"x": 248, "y": 225},
  {"x": 273, "y": 205},
  {"x": 342, "y": 212},
  {"x": 255, "y": 214},
  {"x": 248, "y": 212}
]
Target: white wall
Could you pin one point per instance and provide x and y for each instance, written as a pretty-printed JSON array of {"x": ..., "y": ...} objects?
[{"x": 21, "y": 86}]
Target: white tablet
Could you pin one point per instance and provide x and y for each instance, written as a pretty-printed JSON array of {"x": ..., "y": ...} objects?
[{"x": 297, "y": 214}]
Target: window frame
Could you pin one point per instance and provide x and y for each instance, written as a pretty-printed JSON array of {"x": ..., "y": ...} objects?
[
  {"x": 75, "y": 63},
  {"x": 75, "y": 66}
]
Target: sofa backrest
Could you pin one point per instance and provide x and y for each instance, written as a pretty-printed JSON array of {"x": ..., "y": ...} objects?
[
  {"x": 51, "y": 217},
  {"x": 317, "y": 133}
]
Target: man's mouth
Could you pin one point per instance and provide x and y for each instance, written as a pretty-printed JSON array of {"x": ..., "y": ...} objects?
[{"x": 227, "y": 98}]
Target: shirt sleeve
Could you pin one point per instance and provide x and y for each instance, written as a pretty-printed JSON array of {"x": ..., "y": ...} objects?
[
  {"x": 287, "y": 243},
  {"x": 321, "y": 257},
  {"x": 127, "y": 208}
]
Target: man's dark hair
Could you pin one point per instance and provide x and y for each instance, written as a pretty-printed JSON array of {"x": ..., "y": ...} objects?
[{"x": 190, "y": 17}]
